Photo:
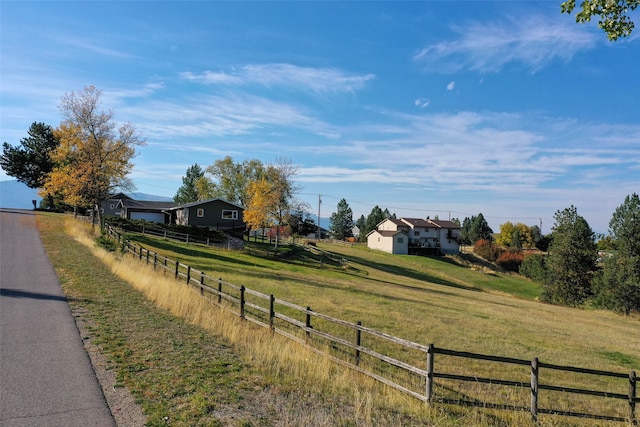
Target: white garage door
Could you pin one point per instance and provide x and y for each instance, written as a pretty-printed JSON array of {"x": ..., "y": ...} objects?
[{"x": 148, "y": 216}]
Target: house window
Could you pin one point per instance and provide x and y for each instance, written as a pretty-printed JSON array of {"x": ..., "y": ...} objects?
[
  {"x": 200, "y": 213},
  {"x": 111, "y": 206},
  {"x": 400, "y": 239},
  {"x": 229, "y": 214},
  {"x": 416, "y": 233}
]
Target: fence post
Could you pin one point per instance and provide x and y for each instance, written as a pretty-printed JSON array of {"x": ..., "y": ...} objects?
[
  {"x": 202, "y": 283},
  {"x": 177, "y": 267},
  {"x": 632, "y": 398},
  {"x": 143, "y": 229},
  {"x": 220, "y": 290},
  {"x": 165, "y": 234},
  {"x": 534, "y": 389},
  {"x": 188, "y": 274},
  {"x": 148, "y": 256},
  {"x": 155, "y": 260},
  {"x": 187, "y": 239},
  {"x": 307, "y": 323},
  {"x": 242, "y": 289},
  {"x": 140, "y": 254},
  {"x": 430, "y": 362},
  {"x": 272, "y": 312},
  {"x": 356, "y": 355}
]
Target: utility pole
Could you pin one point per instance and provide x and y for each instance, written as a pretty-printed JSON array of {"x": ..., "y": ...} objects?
[
  {"x": 318, "y": 228},
  {"x": 541, "y": 226}
]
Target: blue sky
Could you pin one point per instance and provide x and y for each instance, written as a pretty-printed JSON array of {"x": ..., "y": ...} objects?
[{"x": 447, "y": 108}]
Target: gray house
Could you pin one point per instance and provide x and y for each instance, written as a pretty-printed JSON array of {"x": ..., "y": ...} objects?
[{"x": 214, "y": 213}]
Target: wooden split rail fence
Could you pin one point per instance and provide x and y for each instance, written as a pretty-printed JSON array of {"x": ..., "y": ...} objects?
[{"x": 344, "y": 343}]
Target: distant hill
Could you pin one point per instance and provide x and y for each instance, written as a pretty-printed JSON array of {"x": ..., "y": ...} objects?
[
  {"x": 16, "y": 195},
  {"x": 149, "y": 197}
]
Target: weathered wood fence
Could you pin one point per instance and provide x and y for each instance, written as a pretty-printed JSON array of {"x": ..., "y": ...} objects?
[{"x": 344, "y": 343}]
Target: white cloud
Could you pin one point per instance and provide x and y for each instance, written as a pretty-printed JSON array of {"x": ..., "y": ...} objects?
[
  {"x": 220, "y": 115},
  {"x": 286, "y": 75},
  {"x": 451, "y": 86},
  {"x": 421, "y": 102},
  {"x": 531, "y": 42}
]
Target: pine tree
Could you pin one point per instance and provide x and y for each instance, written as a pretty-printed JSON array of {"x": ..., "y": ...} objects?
[
  {"x": 618, "y": 288},
  {"x": 188, "y": 191},
  {"x": 342, "y": 221},
  {"x": 572, "y": 260}
]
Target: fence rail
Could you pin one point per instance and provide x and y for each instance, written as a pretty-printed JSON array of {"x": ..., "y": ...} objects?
[{"x": 296, "y": 322}]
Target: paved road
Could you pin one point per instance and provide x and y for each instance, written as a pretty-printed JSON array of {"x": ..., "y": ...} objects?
[{"x": 46, "y": 378}]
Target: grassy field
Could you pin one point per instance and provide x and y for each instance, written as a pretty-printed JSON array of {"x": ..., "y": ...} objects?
[{"x": 427, "y": 300}]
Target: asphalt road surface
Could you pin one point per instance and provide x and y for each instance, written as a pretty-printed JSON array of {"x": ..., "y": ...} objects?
[{"x": 46, "y": 378}]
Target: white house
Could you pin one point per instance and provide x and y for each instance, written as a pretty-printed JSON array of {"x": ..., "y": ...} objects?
[
  {"x": 394, "y": 242},
  {"x": 424, "y": 236}
]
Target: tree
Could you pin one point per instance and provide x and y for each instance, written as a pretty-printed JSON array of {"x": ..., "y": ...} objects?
[
  {"x": 230, "y": 179},
  {"x": 31, "y": 162},
  {"x": 271, "y": 198},
  {"x": 515, "y": 236},
  {"x": 342, "y": 221},
  {"x": 618, "y": 287},
  {"x": 360, "y": 223},
  {"x": 614, "y": 15},
  {"x": 302, "y": 223},
  {"x": 572, "y": 260},
  {"x": 375, "y": 217},
  {"x": 93, "y": 158},
  {"x": 474, "y": 229},
  {"x": 188, "y": 191}
]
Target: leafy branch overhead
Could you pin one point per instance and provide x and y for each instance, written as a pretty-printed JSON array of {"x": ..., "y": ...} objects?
[{"x": 614, "y": 15}]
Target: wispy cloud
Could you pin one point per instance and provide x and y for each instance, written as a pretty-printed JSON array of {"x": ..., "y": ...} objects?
[
  {"x": 421, "y": 102},
  {"x": 451, "y": 86},
  {"x": 319, "y": 80},
  {"x": 223, "y": 115},
  {"x": 507, "y": 153},
  {"x": 530, "y": 43}
]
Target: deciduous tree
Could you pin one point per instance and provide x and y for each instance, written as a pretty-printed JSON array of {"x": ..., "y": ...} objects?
[
  {"x": 271, "y": 198},
  {"x": 515, "y": 235},
  {"x": 572, "y": 260},
  {"x": 94, "y": 156},
  {"x": 614, "y": 15},
  {"x": 230, "y": 180}
]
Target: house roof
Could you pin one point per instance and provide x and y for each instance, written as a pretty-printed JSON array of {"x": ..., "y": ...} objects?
[
  {"x": 444, "y": 224},
  {"x": 202, "y": 202},
  {"x": 385, "y": 233},
  {"x": 416, "y": 222},
  {"x": 138, "y": 204},
  {"x": 395, "y": 221}
]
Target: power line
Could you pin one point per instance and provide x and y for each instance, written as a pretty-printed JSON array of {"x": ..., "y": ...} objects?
[{"x": 427, "y": 210}]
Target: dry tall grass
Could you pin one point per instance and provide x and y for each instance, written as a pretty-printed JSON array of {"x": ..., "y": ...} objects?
[{"x": 293, "y": 366}]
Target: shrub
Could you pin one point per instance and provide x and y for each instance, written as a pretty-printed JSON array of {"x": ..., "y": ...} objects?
[
  {"x": 533, "y": 267},
  {"x": 106, "y": 243},
  {"x": 487, "y": 250},
  {"x": 511, "y": 260}
]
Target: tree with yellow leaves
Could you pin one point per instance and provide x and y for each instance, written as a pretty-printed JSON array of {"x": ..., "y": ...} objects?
[
  {"x": 93, "y": 158},
  {"x": 271, "y": 198},
  {"x": 515, "y": 235}
]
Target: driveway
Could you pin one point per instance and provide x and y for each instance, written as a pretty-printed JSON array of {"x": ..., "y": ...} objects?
[{"x": 46, "y": 378}]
